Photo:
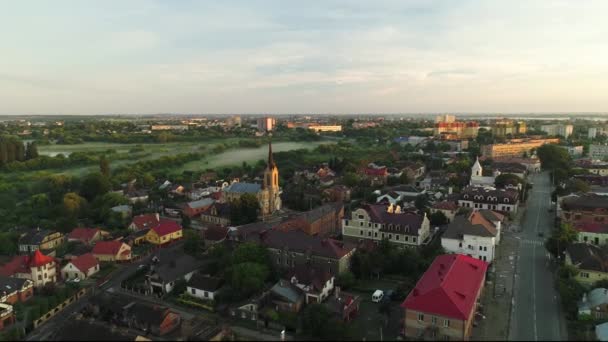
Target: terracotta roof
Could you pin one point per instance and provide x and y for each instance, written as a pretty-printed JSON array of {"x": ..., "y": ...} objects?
[
  {"x": 592, "y": 227},
  {"x": 370, "y": 171},
  {"x": 216, "y": 233},
  {"x": 22, "y": 263},
  {"x": 83, "y": 234},
  {"x": 146, "y": 221},
  {"x": 166, "y": 226},
  {"x": 296, "y": 240},
  {"x": 107, "y": 247},
  {"x": 445, "y": 205},
  {"x": 84, "y": 262},
  {"x": 39, "y": 259},
  {"x": 449, "y": 287},
  {"x": 588, "y": 257}
]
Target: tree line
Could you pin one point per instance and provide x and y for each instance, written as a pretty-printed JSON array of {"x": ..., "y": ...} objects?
[{"x": 12, "y": 149}]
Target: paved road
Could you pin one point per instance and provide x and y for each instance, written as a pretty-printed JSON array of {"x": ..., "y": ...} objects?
[{"x": 536, "y": 313}]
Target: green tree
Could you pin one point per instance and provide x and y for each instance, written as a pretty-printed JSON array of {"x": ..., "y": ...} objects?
[
  {"x": 244, "y": 210},
  {"x": 251, "y": 252},
  {"x": 553, "y": 157},
  {"x": 507, "y": 179},
  {"x": 193, "y": 242},
  {"x": 346, "y": 280},
  {"x": 248, "y": 278},
  {"x": 93, "y": 185},
  {"x": 351, "y": 179},
  {"x": 421, "y": 202},
  {"x": 577, "y": 185},
  {"x": 438, "y": 218},
  {"x": 104, "y": 166},
  {"x": 31, "y": 151},
  {"x": 73, "y": 205}
]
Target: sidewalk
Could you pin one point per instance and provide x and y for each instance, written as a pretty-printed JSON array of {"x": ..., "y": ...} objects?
[
  {"x": 496, "y": 301},
  {"x": 256, "y": 335}
]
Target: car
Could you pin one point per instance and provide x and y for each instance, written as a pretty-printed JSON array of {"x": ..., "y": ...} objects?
[
  {"x": 377, "y": 296},
  {"x": 76, "y": 280}
]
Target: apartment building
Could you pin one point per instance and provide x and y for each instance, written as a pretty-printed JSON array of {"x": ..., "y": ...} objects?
[{"x": 514, "y": 148}]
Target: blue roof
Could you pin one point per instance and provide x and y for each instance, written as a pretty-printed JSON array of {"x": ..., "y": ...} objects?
[
  {"x": 286, "y": 291},
  {"x": 250, "y": 188}
]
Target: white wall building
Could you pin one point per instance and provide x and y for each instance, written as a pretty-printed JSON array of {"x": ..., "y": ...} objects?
[
  {"x": 598, "y": 152},
  {"x": 505, "y": 200},
  {"x": 476, "y": 235}
]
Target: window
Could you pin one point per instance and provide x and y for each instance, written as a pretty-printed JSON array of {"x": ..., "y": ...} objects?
[
  {"x": 361, "y": 232},
  {"x": 361, "y": 224},
  {"x": 446, "y": 323},
  {"x": 446, "y": 337},
  {"x": 369, "y": 233},
  {"x": 193, "y": 291},
  {"x": 480, "y": 248},
  {"x": 485, "y": 249},
  {"x": 460, "y": 244},
  {"x": 346, "y": 222},
  {"x": 421, "y": 317},
  {"x": 382, "y": 235},
  {"x": 361, "y": 217},
  {"x": 397, "y": 237},
  {"x": 414, "y": 239},
  {"x": 407, "y": 238},
  {"x": 433, "y": 320},
  {"x": 584, "y": 275},
  {"x": 375, "y": 234},
  {"x": 390, "y": 236},
  {"x": 206, "y": 294}
]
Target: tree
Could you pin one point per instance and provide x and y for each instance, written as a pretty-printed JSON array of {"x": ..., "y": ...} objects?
[
  {"x": 507, "y": 179},
  {"x": 251, "y": 252},
  {"x": 351, "y": 179},
  {"x": 73, "y": 205},
  {"x": 346, "y": 280},
  {"x": 104, "y": 166},
  {"x": 31, "y": 151},
  {"x": 553, "y": 157},
  {"x": 193, "y": 242},
  {"x": 186, "y": 221},
  {"x": 438, "y": 218},
  {"x": 318, "y": 322},
  {"x": 577, "y": 185},
  {"x": 93, "y": 185},
  {"x": 248, "y": 277},
  {"x": 421, "y": 202}
]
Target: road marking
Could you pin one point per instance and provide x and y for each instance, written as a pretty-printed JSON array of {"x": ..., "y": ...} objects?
[{"x": 534, "y": 272}]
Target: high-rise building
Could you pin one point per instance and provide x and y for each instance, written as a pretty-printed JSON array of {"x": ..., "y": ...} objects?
[
  {"x": 592, "y": 133},
  {"x": 558, "y": 129},
  {"x": 502, "y": 128},
  {"x": 445, "y": 118},
  {"x": 514, "y": 148},
  {"x": 598, "y": 152},
  {"x": 266, "y": 124},
  {"x": 456, "y": 130}
]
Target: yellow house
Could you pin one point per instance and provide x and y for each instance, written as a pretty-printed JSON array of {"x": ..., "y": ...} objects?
[
  {"x": 588, "y": 259},
  {"x": 168, "y": 231},
  {"x": 112, "y": 251}
]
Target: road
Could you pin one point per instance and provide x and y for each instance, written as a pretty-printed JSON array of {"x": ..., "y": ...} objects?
[
  {"x": 536, "y": 312},
  {"x": 48, "y": 328}
]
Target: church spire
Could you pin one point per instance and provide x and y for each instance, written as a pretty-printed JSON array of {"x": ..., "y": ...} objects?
[{"x": 271, "y": 163}]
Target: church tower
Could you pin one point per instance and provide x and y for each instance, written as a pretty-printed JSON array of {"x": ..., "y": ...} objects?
[
  {"x": 271, "y": 184},
  {"x": 476, "y": 170}
]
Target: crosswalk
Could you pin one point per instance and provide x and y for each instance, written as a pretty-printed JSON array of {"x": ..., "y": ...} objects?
[{"x": 533, "y": 242}]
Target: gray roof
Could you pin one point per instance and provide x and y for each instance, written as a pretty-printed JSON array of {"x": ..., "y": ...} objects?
[
  {"x": 205, "y": 202},
  {"x": 250, "y": 188},
  {"x": 34, "y": 237},
  {"x": 174, "y": 264},
  {"x": 461, "y": 226},
  {"x": 319, "y": 212},
  {"x": 10, "y": 284},
  {"x": 121, "y": 208},
  {"x": 601, "y": 332},
  {"x": 594, "y": 298},
  {"x": 287, "y": 291}
]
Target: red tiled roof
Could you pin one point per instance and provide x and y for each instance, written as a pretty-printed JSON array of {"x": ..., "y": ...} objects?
[
  {"x": 449, "y": 287},
  {"x": 22, "y": 263},
  {"x": 83, "y": 234},
  {"x": 370, "y": 171},
  {"x": 145, "y": 221},
  {"x": 84, "y": 262},
  {"x": 166, "y": 226},
  {"x": 39, "y": 259},
  {"x": 107, "y": 247},
  {"x": 216, "y": 233},
  {"x": 446, "y": 205},
  {"x": 592, "y": 227}
]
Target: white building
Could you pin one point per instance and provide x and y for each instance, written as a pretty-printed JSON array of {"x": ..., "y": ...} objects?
[
  {"x": 598, "y": 152},
  {"x": 377, "y": 222},
  {"x": 504, "y": 200},
  {"x": 203, "y": 287},
  {"x": 592, "y": 132},
  {"x": 564, "y": 130},
  {"x": 477, "y": 177},
  {"x": 476, "y": 235},
  {"x": 80, "y": 267}
]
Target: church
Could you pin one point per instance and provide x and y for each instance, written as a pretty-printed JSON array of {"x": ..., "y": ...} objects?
[
  {"x": 477, "y": 178},
  {"x": 268, "y": 193}
]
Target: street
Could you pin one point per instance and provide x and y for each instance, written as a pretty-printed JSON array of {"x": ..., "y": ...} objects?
[{"x": 536, "y": 312}]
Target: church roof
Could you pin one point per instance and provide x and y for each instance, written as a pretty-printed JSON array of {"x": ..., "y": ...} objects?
[{"x": 251, "y": 188}]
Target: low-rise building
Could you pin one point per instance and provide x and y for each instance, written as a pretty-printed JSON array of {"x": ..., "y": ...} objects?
[
  {"x": 80, "y": 267},
  {"x": 166, "y": 232},
  {"x": 7, "y": 315},
  {"x": 448, "y": 208},
  {"x": 378, "y": 222},
  {"x": 376, "y": 174},
  {"x": 43, "y": 239},
  {"x": 39, "y": 268},
  {"x": 192, "y": 209},
  {"x": 168, "y": 267},
  {"x": 204, "y": 287},
  {"x": 594, "y": 304},
  {"x": 115, "y": 251},
  {"x": 285, "y": 297},
  {"x": 598, "y": 152},
  {"x": 316, "y": 284},
  {"x": 442, "y": 305},
  {"x": 503, "y": 200},
  {"x": 325, "y": 220},
  {"x": 217, "y": 214},
  {"x": 88, "y": 236},
  {"x": 338, "y": 193},
  {"x": 590, "y": 260},
  {"x": 475, "y": 235},
  {"x": 514, "y": 147},
  {"x": 15, "y": 290}
]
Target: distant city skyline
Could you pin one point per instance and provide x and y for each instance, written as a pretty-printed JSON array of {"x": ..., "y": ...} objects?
[{"x": 276, "y": 57}]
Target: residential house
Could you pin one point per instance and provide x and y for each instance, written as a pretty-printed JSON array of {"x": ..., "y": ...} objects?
[
  {"x": 285, "y": 297},
  {"x": 204, "y": 287},
  {"x": 448, "y": 208},
  {"x": 590, "y": 260},
  {"x": 594, "y": 304},
  {"x": 325, "y": 220},
  {"x": 43, "y": 239},
  {"x": 442, "y": 305},
  {"x": 145, "y": 221},
  {"x": 378, "y": 222},
  {"x": 167, "y": 231},
  {"x": 192, "y": 209},
  {"x": 7, "y": 315},
  {"x": 123, "y": 210},
  {"x": 316, "y": 284},
  {"x": 88, "y": 236},
  {"x": 414, "y": 170},
  {"x": 434, "y": 180},
  {"x": 115, "y": 251},
  {"x": 476, "y": 235},
  {"x": 168, "y": 267},
  {"x": 504, "y": 200},
  {"x": 295, "y": 247},
  {"x": 217, "y": 213},
  {"x": 343, "y": 305},
  {"x": 376, "y": 174},
  {"x": 587, "y": 213},
  {"x": 513, "y": 168},
  {"x": 601, "y": 332},
  {"x": 80, "y": 267},
  {"x": 15, "y": 290},
  {"x": 137, "y": 196},
  {"x": 38, "y": 268},
  {"x": 337, "y": 193},
  {"x": 401, "y": 193}
]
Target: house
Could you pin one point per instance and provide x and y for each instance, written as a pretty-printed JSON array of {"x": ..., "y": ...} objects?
[
  {"x": 434, "y": 180},
  {"x": 165, "y": 232},
  {"x": 337, "y": 193},
  {"x": 378, "y": 222},
  {"x": 204, "y": 287},
  {"x": 475, "y": 235},
  {"x": 36, "y": 239},
  {"x": 123, "y": 210},
  {"x": 192, "y": 209},
  {"x": 448, "y": 208},
  {"x": 15, "y": 290},
  {"x": 376, "y": 174},
  {"x": 414, "y": 170},
  {"x": 137, "y": 196},
  {"x": 295, "y": 247},
  {"x": 88, "y": 236},
  {"x": 594, "y": 304},
  {"x": 477, "y": 177},
  {"x": 38, "y": 268},
  {"x": 442, "y": 305},
  {"x": 115, "y": 251},
  {"x": 316, "y": 284},
  {"x": 215, "y": 234},
  {"x": 325, "y": 220},
  {"x": 217, "y": 213},
  {"x": 590, "y": 260},
  {"x": 513, "y": 168},
  {"x": 285, "y": 297},
  {"x": 601, "y": 332},
  {"x": 7, "y": 315},
  {"x": 176, "y": 190},
  {"x": 343, "y": 305},
  {"x": 168, "y": 267},
  {"x": 145, "y": 221},
  {"x": 80, "y": 267},
  {"x": 587, "y": 213},
  {"x": 504, "y": 200}
]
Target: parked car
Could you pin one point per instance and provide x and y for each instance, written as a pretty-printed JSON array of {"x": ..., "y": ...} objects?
[{"x": 377, "y": 296}]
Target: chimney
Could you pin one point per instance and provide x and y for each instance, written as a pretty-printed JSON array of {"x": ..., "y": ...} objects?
[
  {"x": 337, "y": 292},
  {"x": 390, "y": 208},
  {"x": 450, "y": 190},
  {"x": 157, "y": 217},
  {"x": 397, "y": 209}
]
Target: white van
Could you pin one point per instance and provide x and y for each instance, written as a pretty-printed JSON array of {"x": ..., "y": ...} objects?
[{"x": 377, "y": 296}]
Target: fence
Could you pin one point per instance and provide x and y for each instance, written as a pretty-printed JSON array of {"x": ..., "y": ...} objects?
[{"x": 59, "y": 307}]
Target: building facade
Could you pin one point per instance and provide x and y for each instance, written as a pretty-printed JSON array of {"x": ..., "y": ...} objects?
[
  {"x": 514, "y": 148},
  {"x": 504, "y": 200},
  {"x": 598, "y": 152},
  {"x": 476, "y": 235}
]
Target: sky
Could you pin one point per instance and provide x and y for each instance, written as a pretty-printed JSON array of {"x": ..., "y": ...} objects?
[{"x": 352, "y": 56}]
